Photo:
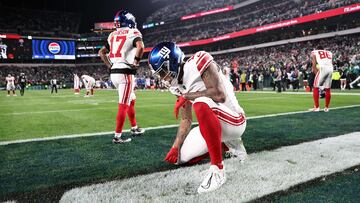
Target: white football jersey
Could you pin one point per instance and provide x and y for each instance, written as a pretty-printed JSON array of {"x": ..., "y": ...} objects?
[
  {"x": 324, "y": 59},
  {"x": 192, "y": 81},
  {"x": 122, "y": 49},
  {"x": 87, "y": 79},
  {"x": 10, "y": 80}
]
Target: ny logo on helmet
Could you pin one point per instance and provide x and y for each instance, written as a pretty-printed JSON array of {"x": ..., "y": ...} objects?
[{"x": 164, "y": 52}]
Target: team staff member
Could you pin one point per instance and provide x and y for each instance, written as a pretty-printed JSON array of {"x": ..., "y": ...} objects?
[{"x": 22, "y": 83}]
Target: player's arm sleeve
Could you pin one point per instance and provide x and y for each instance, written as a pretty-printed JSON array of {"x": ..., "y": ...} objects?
[
  {"x": 212, "y": 81},
  {"x": 137, "y": 37},
  {"x": 203, "y": 59},
  {"x": 106, "y": 44}
]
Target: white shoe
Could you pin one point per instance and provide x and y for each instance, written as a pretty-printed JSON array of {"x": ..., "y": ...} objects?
[
  {"x": 116, "y": 140},
  {"x": 8, "y": 95},
  {"x": 236, "y": 150},
  {"x": 326, "y": 109},
  {"x": 86, "y": 96},
  {"x": 213, "y": 180},
  {"x": 237, "y": 154},
  {"x": 351, "y": 86},
  {"x": 315, "y": 109},
  {"x": 15, "y": 95}
]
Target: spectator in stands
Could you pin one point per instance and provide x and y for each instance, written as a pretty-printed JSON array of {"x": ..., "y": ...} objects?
[{"x": 278, "y": 78}]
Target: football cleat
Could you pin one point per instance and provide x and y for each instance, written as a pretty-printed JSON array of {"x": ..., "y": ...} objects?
[
  {"x": 117, "y": 140},
  {"x": 315, "y": 109},
  {"x": 237, "y": 154},
  {"x": 236, "y": 149},
  {"x": 326, "y": 109},
  {"x": 137, "y": 131},
  {"x": 213, "y": 180}
]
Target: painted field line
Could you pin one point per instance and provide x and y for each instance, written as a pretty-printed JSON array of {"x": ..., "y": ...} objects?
[
  {"x": 78, "y": 135},
  {"x": 152, "y": 128},
  {"x": 262, "y": 174},
  {"x": 94, "y": 102},
  {"x": 299, "y": 93},
  {"x": 77, "y": 110}
]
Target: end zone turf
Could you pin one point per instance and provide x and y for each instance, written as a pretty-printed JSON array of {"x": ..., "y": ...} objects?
[{"x": 264, "y": 173}]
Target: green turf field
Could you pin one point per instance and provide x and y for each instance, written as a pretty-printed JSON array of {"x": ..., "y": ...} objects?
[
  {"x": 40, "y": 114},
  {"x": 42, "y": 171},
  {"x": 344, "y": 187}
]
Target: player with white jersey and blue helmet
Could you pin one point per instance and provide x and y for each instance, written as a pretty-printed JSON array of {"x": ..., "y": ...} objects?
[
  {"x": 322, "y": 67},
  {"x": 122, "y": 54},
  {"x": 89, "y": 83},
  {"x": 10, "y": 84},
  {"x": 200, "y": 85}
]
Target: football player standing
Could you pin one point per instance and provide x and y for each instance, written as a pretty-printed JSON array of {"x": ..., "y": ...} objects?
[
  {"x": 122, "y": 55},
  {"x": 200, "y": 85},
  {"x": 322, "y": 67},
  {"x": 76, "y": 84},
  {"x": 10, "y": 84}
]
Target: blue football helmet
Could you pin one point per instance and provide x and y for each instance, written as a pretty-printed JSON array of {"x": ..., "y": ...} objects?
[
  {"x": 124, "y": 19},
  {"x": 165, "y": 59}
]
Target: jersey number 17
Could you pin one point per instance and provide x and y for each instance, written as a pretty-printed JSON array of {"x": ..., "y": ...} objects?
[{"x": 116, "y": 44}]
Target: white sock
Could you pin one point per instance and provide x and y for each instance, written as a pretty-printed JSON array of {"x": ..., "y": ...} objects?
[{"x": 117, "y": 135}]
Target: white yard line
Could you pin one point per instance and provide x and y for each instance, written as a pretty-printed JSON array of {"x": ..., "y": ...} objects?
[
  {"x": 152, "y": 128},
  {"x": 76, "y": 110},
  {"x": 95, "y": 102},
  {"x": 262, "y": 174},
  {"x": 298, "y": 93}
]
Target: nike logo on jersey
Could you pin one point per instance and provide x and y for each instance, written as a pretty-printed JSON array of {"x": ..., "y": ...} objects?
[{"x": 164, "y": 52}]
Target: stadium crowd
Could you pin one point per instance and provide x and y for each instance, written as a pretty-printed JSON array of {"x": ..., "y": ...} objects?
[
  {"x": 43, "y": 74},
  {"x": 182, "y": 8},
  {"x": 293, "y": 60},
  {"x": 26, "y": 21},
  {"x": 256, "y": 68},
  {"x": 250, "y": 16}
]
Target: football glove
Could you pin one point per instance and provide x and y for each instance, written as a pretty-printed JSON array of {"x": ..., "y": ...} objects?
[
  {"x": 180, "y": 102},
  {"x": 175, "y": 90},
  {"x": 172, "y": 155}
]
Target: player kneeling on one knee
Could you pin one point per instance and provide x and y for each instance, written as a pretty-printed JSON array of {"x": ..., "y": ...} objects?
[{"x": 200, "y": 85}]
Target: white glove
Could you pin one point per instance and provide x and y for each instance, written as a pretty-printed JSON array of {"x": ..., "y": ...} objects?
[{"x": 176, "y": 90}]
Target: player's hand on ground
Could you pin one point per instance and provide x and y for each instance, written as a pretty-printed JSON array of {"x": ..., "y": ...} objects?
[
  {"x": 172, "y": 155},
  {"x": 180, "y": 102}
]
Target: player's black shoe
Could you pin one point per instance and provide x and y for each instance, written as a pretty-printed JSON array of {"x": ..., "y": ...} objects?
[
  {"x": 137, "y": 131},
  {"x": 116, "y": 140}
]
